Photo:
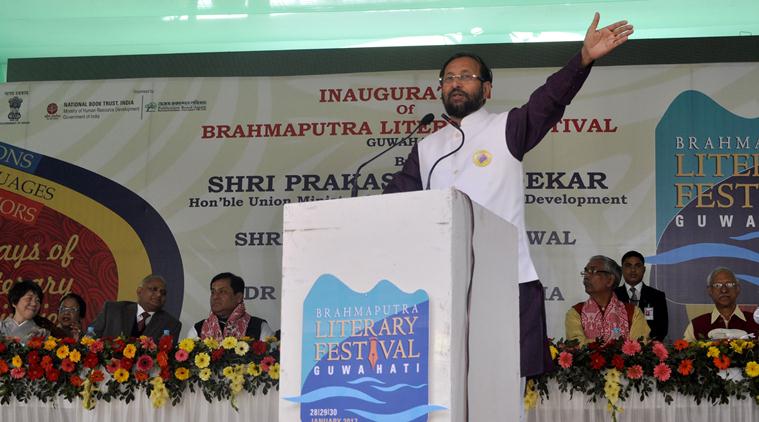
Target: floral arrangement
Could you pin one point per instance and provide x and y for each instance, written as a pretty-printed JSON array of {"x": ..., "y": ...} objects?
[
  {"x": 713, "y": 371},
  {"x": 118, "y": 368}
]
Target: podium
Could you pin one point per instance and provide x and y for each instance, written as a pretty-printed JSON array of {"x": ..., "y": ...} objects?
[{"x": 399, "y": 307}]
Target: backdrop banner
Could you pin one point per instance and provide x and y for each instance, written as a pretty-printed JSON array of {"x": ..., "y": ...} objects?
[{"x": 104, "y": 182}]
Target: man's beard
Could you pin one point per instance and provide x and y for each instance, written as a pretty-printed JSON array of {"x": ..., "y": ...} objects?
[{"x": 461, "y": 110}]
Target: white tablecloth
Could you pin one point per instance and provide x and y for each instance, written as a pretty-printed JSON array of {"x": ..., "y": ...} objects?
[
  {"x": 653, "y": 409},
  {"x": 193, "y": 407}
]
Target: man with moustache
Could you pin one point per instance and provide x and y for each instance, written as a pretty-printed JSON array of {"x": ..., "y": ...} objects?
[
  {"x": 723, "y": 288},
  {"x": 488, "y": 167},
  {"x": 651, "y": 301}
]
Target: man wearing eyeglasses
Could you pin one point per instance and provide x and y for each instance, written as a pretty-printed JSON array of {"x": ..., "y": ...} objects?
[
  {"x": 723, "y": 288},
  {"x": 603, "y": 316},
  {"x": 488, "y": 165}
]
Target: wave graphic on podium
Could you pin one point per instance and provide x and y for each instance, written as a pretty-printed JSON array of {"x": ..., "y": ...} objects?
[{"x": 365, "y": 354}]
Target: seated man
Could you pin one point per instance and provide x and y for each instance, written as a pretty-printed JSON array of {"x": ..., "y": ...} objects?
[
  {"x": 146, "y": 317},
  {"x": 228, "y": 317},
  {"x": 603, "y": 315},
  {"x": 723, "y": 288}
]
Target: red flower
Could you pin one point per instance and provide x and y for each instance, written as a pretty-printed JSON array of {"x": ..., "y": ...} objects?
[
  {"x": 34, "y": 343},
  {"x": 126, "y": 363},
  {"x": 91, "y": 360},
  {"x": 217, "y": 354},
  {"x": 144, "y": 363},
  {"x": 52, "y": 374},
  {"x": 662, "y": 372},
  {"x": 47, "y": 362},
  {"x": 18, "y": 373},
  {"x": 722, "y": 362},
  {"x": 35, "y": 372},
  {"x": 631, "y": 347},
  {"x": 565, "y": 360},
  {"x": 680, "y": 345},
  {"x": 597, "y": 361},
  {"x": 33, "y": 357},
  {"x": 618, "y": 362},
  {"x": 259, "y": 347},
  {"x": 147, "y": 343},
  {"x": 3, "y": 366},
  {"x": 165, "y": 343},
  {"x": 686, "y": 367},
  {"x": 68, "y": 340},
  {"x": 118, "y": 345},
  {"x": 97, "y": 376},
  {"x": 634, "y": 372},
  {"x": 67, "y": 365},
  {"x": 593, "y": 345},
  {"x": 165, "y": 374},
  {"x": 163, "y": 359},
  {"x": 3, "y": 347},
  {"x": 141, "y": 376},
  {"x": 97, "y": 346},
  {"x": 76, "y": 381}
]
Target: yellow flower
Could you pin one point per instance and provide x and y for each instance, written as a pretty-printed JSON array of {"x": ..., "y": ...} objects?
[
  {"x": 62, "y": 352},
  {"x": 86, "y": 340},
  {"x": 713, "y": 352},
  {"x": 752, "y": 369},
  {"x": 16, "y": 361},
  {"x": 254, "y": 370},
  {"x": 75, "y": 356},
  {"x": 229, "y": 343},
  {"x": 242, "y": 348},
  {"x": 121, "y": 375},
  {"x": 228, "y": 371},
  {"x": 236, "y": 385},
  {"x": 274, "y": 372},
  {"x": 50, "y": 344},
  {"x": 159, "y": 394},
  {"x": 202, "y": 360},
  {"x": 530, "y": 395},
  {"x": 270, "y": 339},
  {"x": 205, "y": 374},
  {"x": 738, "y": 345},
  {"x": 211, "y": 343},
  {"x": 554, "y": 352},
  {"x": 182, "y": 373},
  {"x": 129, "y": 351},
  {"x": 188, "y": 345}
]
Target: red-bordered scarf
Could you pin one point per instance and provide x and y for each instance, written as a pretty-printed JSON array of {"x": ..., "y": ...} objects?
[
  {"x": 609, "y": 324},
  {"x": 237, "y": 324}
]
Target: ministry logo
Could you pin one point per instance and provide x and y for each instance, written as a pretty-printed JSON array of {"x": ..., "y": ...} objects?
[{"x": 15, "y": 104}]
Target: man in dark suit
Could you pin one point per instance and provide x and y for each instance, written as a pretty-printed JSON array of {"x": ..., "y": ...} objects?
[
  {"x": 652, "y": 302},
  {"x": 146, "y": 317}
]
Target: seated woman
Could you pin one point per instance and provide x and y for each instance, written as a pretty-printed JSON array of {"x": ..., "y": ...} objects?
[
  {"x": 25, "y": 298},
  {"x": 71, "y": 311},
  {"x": 603, "y": 315}
]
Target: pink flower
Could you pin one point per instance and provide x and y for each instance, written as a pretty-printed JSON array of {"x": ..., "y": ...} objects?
[
  {"x": 662, "y": 372},
  {"x": 266, "y": 363},
  {"x": 145, "y": 363},
  {"x": 565, "y": 360},
  {"x": 660, "y": 351},
  {"x": 181, "y": 355},
  {"x": 634, "y": 372},
  {"x": 631, "y": 347},
  {"x": 113, "y": 366},
  {"x": 97, "y": 346},
  {"x": 18, "y": 373},
  {"x": 147, "y": 343}
]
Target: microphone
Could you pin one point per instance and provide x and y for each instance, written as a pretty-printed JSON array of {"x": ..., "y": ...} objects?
[
  {"x": 429, "y": 117},
  {"x": 455, "y": 125}
]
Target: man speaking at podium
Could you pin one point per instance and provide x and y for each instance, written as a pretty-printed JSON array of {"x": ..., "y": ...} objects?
[{"x": 482, "y": 156}]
